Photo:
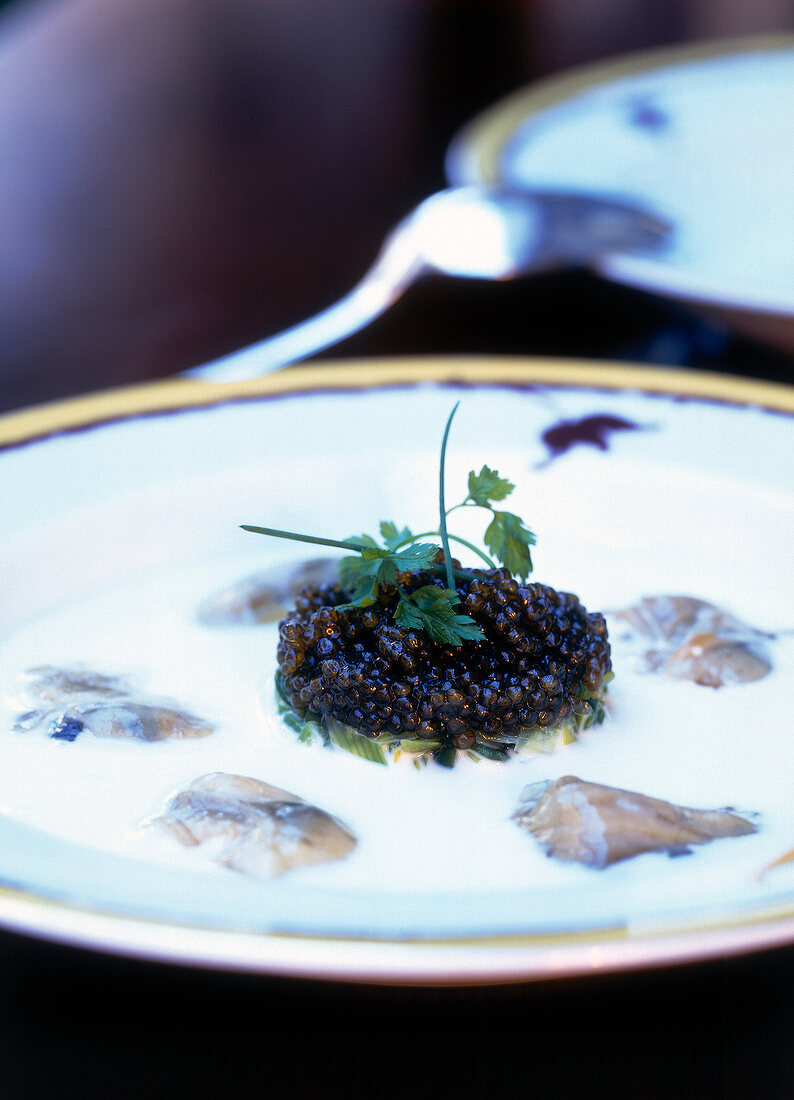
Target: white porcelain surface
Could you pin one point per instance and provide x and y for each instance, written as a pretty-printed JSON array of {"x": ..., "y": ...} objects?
[{"x": 113, "y": 534}]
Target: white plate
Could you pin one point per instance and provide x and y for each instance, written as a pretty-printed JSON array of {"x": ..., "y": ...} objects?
[
  {"x": 701, "y": 135},
  {"x": 122, "y": 512}
]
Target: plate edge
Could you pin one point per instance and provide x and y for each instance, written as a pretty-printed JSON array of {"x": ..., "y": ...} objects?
[
  {"x": 176, "y": 394},
  {"x": 474, "y": 152}
]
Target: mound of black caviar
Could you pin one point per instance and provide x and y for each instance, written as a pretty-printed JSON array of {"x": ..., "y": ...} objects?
[{"x": 543, "y": 662}]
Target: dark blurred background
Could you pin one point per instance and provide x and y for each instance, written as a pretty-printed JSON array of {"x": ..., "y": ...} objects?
[{"x": 180, "y": 178}]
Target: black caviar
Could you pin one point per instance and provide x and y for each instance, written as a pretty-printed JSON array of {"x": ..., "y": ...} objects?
[{"x": 544, "y": 661}]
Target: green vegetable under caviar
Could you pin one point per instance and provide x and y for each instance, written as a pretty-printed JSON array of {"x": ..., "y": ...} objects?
[{"x": 409, "y": 650}]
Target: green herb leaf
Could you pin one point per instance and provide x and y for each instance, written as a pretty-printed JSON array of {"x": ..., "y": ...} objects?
[
  {"x": 418, "y": 556},
  {"x": 363, "y": 542},
  {"x": 490, "y": 752},
  {"x": 432, "y": 609},
  {"x": 361, "y": 576},
  {"x": 446, "y": 757},
  {"x": 363, "y": 593},
  {"x": 419, "y": 745},
  {"x": 509, "y": 541},
  {"x": 345, "y": 737},
  {"x": 392, "y": 537},
  {"x": 487, "y": 486},
  {"x": 358, "y": 574}
]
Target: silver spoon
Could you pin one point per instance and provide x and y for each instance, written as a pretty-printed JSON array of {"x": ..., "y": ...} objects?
[{"x": 471, "y": 232}]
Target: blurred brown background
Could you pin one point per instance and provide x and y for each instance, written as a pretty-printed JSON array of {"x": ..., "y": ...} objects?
[{"x": 180, "y": 178}]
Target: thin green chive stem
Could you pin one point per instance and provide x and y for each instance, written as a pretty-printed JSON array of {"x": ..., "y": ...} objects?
[
  {"x": 357, "y": 546},
  {"x": 442, "y": 526}
]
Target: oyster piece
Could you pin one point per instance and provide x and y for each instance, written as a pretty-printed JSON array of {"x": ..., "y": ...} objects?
[
  {"x": 713, "y": 661},
  {"x": 672, "y": 618},
  {"x": 48, "y": 684},
  {"x": 65, "y": 702},
  {"x": 698, "y": 641},
  {"x": 265, "y": 597},
  {"x": 597, "y": 825},
  {"x": 122, "y": 718},
  {"x": 140, "y": 721},
  {"x": 263, "y": 830}
]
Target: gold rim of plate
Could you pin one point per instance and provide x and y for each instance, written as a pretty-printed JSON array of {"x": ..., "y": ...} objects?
[
  {"x": 171, "y": 394},
  {"x": 482, "y": 141},
  {"x": 543, "y": 954}
]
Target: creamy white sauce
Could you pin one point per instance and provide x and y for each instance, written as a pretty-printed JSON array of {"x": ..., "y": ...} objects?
[
  {"x": 112, "y": 580},
  {"x": 417, "y": 829}
]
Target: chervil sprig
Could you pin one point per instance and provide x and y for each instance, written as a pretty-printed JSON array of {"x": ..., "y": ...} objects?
[
  {"x": 361, "y": 576},
  {"x": 432, "y": 609},
  {"x": 429, "y": 608},
  {"x": 506, "y": 536}
]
